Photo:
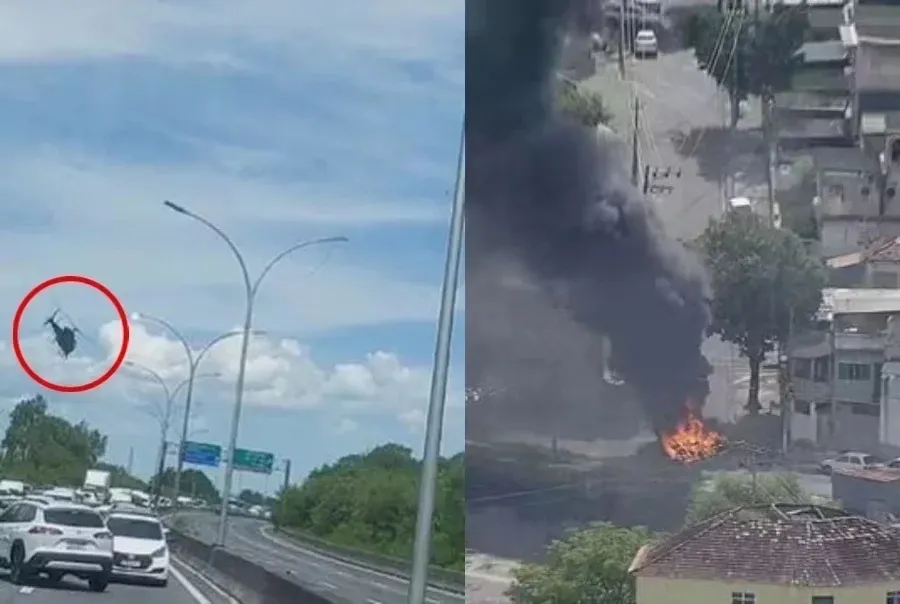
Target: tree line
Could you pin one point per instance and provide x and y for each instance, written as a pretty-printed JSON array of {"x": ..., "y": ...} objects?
[
  {"x": 369, "y": 502},
  {"x": 41, "y": 448}
]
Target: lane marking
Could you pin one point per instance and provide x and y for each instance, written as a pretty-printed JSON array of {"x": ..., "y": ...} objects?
[
  {"x": 189, "y": 587},
  {"x": 30, "y": 590},
  {"x": 336, "y": 562},
  {"x": 371, "y": 601},
  {"x": 327, "y": 585},
  {"x": 200, "y": 578}
]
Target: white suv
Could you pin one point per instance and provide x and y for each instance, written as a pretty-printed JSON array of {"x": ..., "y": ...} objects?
[
  {"x": 55, "y": 539},
  {"x": 140, "y": 551}
]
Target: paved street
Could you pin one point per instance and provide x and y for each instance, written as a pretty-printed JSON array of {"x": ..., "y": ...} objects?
[
  {"x": 320, "y": 573},
  {"x": 684, "y": 128},
  {"x": 72, "y": 591}
]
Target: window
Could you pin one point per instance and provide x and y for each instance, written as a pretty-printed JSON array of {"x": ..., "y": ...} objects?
[
  {"x": 893, "y": 597},
  {"x": 854, "y": 372},
  {"x": 136, "y": 529},
  {"x": 26, "y": 513},
  {"x": 803, "y": 408},
  {"x": 865, "y": 409},
  {"x": 742, "y": 597},
  {"x": 73, "y": 517},
  {"x": 822, "y": 600},
  {"x": 10, "y": 514},
  {"x": 822, "y": 369},
  {"x": 803, "y": 368}
]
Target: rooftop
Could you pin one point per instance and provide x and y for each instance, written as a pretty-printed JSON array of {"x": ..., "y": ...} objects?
[
  {"x": 868, "y": 14},
  {"x": 872, "y": 474},
  {"x": 845, "y": 159},
  {"x": 882, "y": 250},
  {"x": 840, "y": 301},
  {"x": 878, "y": 67},
  {"x": 829, "y": 51},
  {"x": 812, "y": 128},
  {"x": 785, "y": 544},
  {"x": 825, "y": 17},
  {"x": 811, "y": 100}
]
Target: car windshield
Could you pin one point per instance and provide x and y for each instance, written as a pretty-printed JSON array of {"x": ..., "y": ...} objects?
[
  {"x": 73, "y": 517},
  {"x": 134, "y": 528}
]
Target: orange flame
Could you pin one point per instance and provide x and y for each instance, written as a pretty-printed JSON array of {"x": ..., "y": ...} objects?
[{"x": 691, "y": 440}]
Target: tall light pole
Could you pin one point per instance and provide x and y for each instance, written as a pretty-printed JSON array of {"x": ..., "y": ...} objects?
[
  {"x": 193, "y": 362},
  {"x": 251, "y": 288},
  {"x": 165, "y": 417},
  {"x": 438, "y": 394}
]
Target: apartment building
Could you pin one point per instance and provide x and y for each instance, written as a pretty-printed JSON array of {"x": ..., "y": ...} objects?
[{"x": 838, "y": 370}]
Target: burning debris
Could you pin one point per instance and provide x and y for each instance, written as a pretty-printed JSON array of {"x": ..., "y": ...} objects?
[
  {"x": 691, "y": 440},
  {"x": 552, "y": 200}
]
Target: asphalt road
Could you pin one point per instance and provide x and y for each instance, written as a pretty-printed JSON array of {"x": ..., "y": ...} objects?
[
  {"x": 72, "y": 591},
  {"x": 246, "y": 538}
]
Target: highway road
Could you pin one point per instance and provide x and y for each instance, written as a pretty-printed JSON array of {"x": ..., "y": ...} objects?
[
  {"x": 181, "y": 590},
  {"x": 249, "y": 539}
]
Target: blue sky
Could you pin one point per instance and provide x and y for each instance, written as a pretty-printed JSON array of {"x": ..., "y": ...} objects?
[{"x": 279, "y": 121}]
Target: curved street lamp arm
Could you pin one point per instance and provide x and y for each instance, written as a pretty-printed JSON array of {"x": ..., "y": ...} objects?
[
  {"x": 299, "y": 246},
  {"x": 219, "y": 338},
  {"x": 234, "y": 250},
  {"x": 173, "y": 331}
]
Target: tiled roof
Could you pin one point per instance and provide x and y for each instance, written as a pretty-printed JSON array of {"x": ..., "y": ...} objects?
[
  {"x": 778, "y": 544},
  {"x": 873, "y": 474}
]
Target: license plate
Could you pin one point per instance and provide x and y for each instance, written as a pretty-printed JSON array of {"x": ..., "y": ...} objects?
[
  {"x": 75, "y": 546},
  {"x": 131, "y": 563}
]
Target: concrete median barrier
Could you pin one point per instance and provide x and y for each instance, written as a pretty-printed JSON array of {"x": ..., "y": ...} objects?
[{"x": 243, "y": 580}]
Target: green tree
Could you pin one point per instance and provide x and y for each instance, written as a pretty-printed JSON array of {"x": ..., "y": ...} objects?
[
  {"x": 194, "y": 483},
  {"x": 581, "y": 105},
  {"x": 42, "y": 448},
  {"x": 590, "y": 566},
  {"x": 120, "y": 478},
  {"x": 726, "y": 492},
  {"x": 746, "y": 52},
  {"x": 369, "y": 501},
  {"x": 764, "y": 281}
]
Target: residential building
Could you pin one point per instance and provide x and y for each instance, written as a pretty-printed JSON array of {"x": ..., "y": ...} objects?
[
  {"x": 877, "y": 265},
  {"x": 836, "y": 371},
  {"x": 848, "y": 200},
  {"x": 780, "y": 553},
  {"x": 891, "y": 385}
]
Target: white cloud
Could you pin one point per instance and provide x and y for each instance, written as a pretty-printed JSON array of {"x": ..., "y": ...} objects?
[
  {"x": 99, "y": 28},
  {"x": 280, "y": 374}
]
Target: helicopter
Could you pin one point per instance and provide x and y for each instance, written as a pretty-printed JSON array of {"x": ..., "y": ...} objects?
[{"x": 64, "y": 336}]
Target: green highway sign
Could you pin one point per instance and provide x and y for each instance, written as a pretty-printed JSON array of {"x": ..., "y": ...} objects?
[{"x": 253, "y": 461}]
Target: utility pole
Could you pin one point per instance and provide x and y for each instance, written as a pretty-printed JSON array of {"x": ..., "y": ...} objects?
[
  {"x": 287, "y": 475},
  {"x": 130, "y": 465},
  {"x": 635, "y": 151},
  {"x": 622, "y": 11},
  {"x": 786, "y": 385}
]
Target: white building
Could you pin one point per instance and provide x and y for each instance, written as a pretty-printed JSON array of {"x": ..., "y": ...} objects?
[{"x": 839, "y": 371}]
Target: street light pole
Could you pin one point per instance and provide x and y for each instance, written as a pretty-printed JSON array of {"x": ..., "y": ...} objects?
[
  {"x": 193, "y": 363},
  {"x": 438, "y": 394},
  {"x": 163, "y": 426},
  {"x": 250, "y": 290}
]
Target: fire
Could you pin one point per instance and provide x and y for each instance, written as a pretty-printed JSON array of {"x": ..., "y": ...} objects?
[{"x": 691, "y": 440}]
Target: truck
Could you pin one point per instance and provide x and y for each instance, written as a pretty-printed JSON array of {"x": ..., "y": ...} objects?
[{"x": 96, "y": 483}]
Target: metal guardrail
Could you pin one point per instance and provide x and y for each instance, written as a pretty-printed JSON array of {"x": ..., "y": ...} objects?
[
  {"x": 442, "y": 578},
  {"x": 243, "y": 580}
]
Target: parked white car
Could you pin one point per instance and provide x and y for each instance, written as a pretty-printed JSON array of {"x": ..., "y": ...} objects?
[
  {"x": 140, "y": 551},
  {"x": 646, "y": 44},
  {"x": 850, "y": 460},
  {"x": 55, "y": 539}
]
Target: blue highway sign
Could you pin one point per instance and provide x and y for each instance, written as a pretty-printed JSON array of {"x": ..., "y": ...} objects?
[{"x": 201, "y": 454}]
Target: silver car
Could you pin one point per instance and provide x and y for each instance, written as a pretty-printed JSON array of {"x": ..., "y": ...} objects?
[{"x": 849, "y": 460}]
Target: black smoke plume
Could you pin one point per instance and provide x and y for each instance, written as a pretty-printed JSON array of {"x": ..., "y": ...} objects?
[{"x": 551, "y": 210}]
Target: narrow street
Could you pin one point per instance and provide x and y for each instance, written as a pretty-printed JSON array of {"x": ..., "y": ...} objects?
[{"x": 684, "y": 137}]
